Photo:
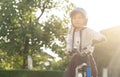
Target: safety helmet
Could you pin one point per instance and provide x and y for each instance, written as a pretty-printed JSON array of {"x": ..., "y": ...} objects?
[{"x": 78, "y": 9}]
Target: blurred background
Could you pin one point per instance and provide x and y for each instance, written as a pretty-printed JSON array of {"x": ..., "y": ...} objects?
[{"x": 33, "y": 34}]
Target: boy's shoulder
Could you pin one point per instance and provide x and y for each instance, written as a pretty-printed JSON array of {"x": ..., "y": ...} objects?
[
  {"x": 70, "y": 30},
  {"x": 88, "y": 29}
]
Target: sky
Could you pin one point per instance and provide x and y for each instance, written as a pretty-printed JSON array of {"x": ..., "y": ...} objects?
[{"x": 102, "y": 14}]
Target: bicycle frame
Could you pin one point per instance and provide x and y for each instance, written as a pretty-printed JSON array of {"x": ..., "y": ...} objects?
[{"x": 83, "y": 70}]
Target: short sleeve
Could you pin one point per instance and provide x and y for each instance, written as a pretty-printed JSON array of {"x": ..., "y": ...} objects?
[{"x": 97, "y": 36}]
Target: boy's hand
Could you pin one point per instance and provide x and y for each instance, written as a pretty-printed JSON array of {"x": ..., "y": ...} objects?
[{"x": 67, "y": 52}]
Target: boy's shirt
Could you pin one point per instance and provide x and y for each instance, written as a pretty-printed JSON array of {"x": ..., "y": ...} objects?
[{"x": 88, "y": 35}]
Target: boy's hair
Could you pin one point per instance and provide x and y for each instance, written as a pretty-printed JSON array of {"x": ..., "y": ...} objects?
[{"x": 76, "y": 10}]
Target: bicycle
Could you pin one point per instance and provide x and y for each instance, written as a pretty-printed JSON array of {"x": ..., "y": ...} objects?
[{"x": 84, "y": 70}]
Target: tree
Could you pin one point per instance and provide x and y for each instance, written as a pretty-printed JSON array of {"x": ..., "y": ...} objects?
[{"x": 23, "y": 34}]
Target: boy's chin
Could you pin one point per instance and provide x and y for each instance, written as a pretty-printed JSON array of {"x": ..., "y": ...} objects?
[{"x": 79, "y": 26}]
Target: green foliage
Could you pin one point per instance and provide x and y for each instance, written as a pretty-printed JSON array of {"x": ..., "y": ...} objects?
[
  {"x": 7, "y": 62},
  {"x": 62, "y": 63},
  {"x": 22, "y": 33}
]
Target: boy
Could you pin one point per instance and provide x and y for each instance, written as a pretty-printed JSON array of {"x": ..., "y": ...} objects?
[{"x": 81, "y": 38}]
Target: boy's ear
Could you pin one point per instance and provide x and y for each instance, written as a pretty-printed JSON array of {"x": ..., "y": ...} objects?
[{"x": 86, "y": 22}]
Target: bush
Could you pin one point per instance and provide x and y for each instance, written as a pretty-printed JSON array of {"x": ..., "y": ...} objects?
[{"x": 29, "y": 73}]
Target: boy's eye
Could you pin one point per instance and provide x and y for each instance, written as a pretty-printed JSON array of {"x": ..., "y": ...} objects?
[{"x": 80, "y": 17}]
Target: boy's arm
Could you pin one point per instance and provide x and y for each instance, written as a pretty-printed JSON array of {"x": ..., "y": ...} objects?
[
  {"x": 69, "y": 43},
  {"x": 98, "y": 37}
]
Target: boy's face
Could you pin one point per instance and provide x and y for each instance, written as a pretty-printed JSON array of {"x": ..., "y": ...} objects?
[{"x": 78, "y": 20}]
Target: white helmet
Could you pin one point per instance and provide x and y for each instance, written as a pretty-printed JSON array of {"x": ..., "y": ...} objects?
[{"x": 77, "y": 9}]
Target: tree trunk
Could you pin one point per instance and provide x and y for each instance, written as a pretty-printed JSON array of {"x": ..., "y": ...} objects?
[{"x": 25, "y": 53}]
